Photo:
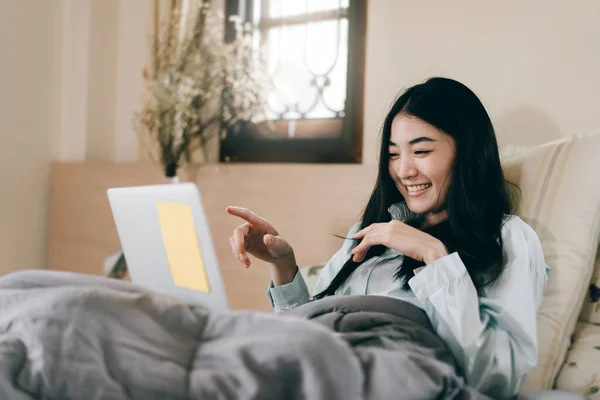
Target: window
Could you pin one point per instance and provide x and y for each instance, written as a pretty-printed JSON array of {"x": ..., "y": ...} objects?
[{"x": 315, "y": 55}]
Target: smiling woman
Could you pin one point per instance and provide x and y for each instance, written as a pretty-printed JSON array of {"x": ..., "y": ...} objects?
[
  {"x": 437, "y": 233},
  {"x": 439, "y": 134}
]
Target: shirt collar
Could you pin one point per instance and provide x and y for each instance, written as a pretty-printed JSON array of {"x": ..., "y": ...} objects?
[{"x": 401, "y": 212}]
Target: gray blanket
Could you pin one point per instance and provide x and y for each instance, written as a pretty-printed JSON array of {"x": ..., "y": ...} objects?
[{"x": 69, "y": 336}]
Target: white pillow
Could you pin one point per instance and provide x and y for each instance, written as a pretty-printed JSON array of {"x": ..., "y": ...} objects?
[{"x": 560, "y": 198}]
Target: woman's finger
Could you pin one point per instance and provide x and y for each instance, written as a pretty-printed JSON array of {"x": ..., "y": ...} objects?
[
  {"x": 359, "y": 234},
  {"x": 234, "y": 250},
  {"x": 246, "y": 215},
  {"x": 374, "y": 238},
  {"x": 358, "y": 253},
  {"x": 276, "y": 245},
  {"x": 369, "y": 229},
  {"x": 232, "y": 245},
  {"x": 363, "y": 246},
  {"x": 362, "y": 232},
  {"x": 239, "y": 238},
  {"x": 358, "y": 257}
]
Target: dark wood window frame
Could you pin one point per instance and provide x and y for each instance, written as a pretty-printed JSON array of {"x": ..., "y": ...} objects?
[{"x": 316, "y": 141}]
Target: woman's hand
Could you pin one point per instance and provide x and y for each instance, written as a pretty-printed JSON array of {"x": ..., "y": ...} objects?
[
  {"x": 401, "y": 237},
  {"x": 258, "y": 238}
]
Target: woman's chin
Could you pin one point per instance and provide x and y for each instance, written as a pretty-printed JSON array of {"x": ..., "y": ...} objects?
[
  {"x": 418, "y": 210},
  {"x": 418, "y": 207}
]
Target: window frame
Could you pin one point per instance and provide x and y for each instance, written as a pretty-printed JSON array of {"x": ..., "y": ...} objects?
[{"x": 327, "y": 145}]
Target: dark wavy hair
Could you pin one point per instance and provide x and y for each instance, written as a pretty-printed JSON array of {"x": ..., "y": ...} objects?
[{"x": 478, "y": 198}]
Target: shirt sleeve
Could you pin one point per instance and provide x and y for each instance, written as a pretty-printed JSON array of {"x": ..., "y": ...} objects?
[
  {"x": 495, "y": 336},
  {"x": 296, "y": 293},
  {"x": 290, "y": 295}
]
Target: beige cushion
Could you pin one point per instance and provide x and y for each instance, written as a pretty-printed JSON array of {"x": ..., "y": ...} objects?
[
  {"x": 560, "y": 187},
  {"x": 581, "y": 371},
  {"x": 591, "y": 306}
]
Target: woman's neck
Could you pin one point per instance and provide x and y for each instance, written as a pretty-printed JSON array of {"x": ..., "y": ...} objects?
[{"x": 434, "y": 218}]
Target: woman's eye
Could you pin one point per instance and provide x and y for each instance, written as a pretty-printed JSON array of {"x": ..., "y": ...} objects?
[
  {"x": 422, "y": 152},
  {"x": 393, "y": 155}
]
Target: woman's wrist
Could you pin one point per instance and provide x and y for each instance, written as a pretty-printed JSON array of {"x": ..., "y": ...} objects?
[
  {"x": 284, "y": 270},
  {"x": 434, "y": 252}
]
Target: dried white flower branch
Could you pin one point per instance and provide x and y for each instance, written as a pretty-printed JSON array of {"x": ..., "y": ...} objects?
[{"x": 199, "y": 85}]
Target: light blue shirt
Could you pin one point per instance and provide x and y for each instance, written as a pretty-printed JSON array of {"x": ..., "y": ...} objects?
[{"x": 492, "y": 337}]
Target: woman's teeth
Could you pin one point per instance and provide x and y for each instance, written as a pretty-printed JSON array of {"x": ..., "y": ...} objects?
[{"x": 416, "y": 188}]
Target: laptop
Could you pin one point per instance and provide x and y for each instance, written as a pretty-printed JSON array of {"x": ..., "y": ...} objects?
[{"x": 167, "y": 243}]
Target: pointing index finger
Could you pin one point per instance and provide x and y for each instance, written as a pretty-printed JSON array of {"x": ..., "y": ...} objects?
[
  {"x": 245, "y": 214},
  {"x": 359, "y": 234}
]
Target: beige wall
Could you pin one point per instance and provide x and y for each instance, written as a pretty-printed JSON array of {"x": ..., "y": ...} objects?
[
  {"x": 70, "y": 78},
  {"x": 30, "y": 44},
  {"x": 102, "y": 79},
  {"x": 118, "y": 32},
  {"x": 533, "y": 63},
  {"x": 133, "y": 16}
]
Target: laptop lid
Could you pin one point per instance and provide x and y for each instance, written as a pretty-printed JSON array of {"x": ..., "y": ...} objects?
[{"x": 167, "y": 244}]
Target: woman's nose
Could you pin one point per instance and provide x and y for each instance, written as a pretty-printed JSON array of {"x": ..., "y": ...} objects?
[{"x": 406, "y": 170}]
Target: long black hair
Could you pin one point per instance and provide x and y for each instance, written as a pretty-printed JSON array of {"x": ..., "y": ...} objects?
[{"x": 478, "y": 198}]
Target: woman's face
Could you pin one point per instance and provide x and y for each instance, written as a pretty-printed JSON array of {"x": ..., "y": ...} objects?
[{"x": 421, "y": 162}]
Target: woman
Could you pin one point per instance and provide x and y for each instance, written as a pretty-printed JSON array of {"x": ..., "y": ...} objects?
[{"x": 437, "y": 233}]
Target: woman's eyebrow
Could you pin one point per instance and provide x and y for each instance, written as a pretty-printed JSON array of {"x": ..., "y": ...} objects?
[
  {"x": 415, "y": 141},
  {"x": 421, "y": 139}
]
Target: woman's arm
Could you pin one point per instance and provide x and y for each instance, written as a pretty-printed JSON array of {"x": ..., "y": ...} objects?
[
  {"x": 494, "y": 338},
  {"x": 295, "y": 293}
]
